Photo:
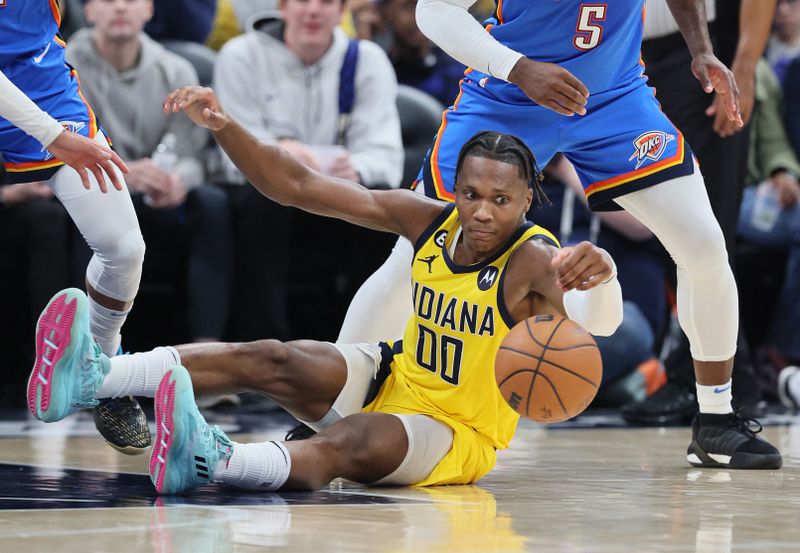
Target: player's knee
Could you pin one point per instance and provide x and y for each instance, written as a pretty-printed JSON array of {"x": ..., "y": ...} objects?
[
  {"x": 270, "y": 361},
  {"x": 705, "y": 254}
]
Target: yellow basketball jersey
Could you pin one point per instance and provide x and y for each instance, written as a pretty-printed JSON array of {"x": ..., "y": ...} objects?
[{"x": 459, "y": 321}]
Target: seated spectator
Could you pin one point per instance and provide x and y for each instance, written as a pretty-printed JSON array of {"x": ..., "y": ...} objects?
[
  {"x": 416, "y": 60},
  {"x": 784, "y": 44},
  {"x": 791, "y": 94},
  {"x": 770, "y": 214},
  {"x": 126, "y": 76},
  {"x": 327, "y": 100}
]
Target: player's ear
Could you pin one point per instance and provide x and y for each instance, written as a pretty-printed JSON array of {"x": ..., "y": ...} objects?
[{"x": 528, "y": 199}]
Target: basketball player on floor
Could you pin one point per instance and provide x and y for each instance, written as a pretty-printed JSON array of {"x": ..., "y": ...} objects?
[
  {"x": 49, "y": 133},
  {"x": 432, "y": 412},
  {"x": 566, "y": 77}
]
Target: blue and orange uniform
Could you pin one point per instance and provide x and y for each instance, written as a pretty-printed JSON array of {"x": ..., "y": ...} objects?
[
  {"x": 32, "y": 57},
  {"x": 623, "y": 143}
]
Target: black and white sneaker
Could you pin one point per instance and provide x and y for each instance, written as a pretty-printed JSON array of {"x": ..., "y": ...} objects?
[
  {"x": 730, "y": 441},
  {"x": 784, "y": 392},
  {"x": 123, "y": 424}
]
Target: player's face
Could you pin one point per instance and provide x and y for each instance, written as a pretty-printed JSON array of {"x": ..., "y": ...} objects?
[
  {"x": 118, "y": 20},
  {"x": 310, "y": 23},
  {"x": 492, "y": 199}
]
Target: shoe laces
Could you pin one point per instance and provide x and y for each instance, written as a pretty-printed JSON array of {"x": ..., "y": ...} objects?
[
  {"x": 222, "y": 444},
  {"x": 94, "y": 380},
  {"x": 748, "y": 425}
]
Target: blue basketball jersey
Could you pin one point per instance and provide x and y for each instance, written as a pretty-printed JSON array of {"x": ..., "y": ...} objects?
[
  {"x": 27, "y": 27},
  {"x": 599, "y": 43}
]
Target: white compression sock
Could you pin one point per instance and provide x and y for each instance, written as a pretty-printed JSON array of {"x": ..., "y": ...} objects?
[
  {"x": 138, "y": 374},
  {"x": 105, "y": 324},
  {"x": 264, "y": 466},
  {"x": 715, "y": 399}
]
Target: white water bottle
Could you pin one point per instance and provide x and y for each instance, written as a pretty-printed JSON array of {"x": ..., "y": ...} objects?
[
  {"x": 165, "y": 157},
  {"x": 766, "y": 207}
]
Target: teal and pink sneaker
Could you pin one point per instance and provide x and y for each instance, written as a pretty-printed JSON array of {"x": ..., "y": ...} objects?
[
  {"x": 186, "y": 450},
  {"x": 70, "y": 367}
]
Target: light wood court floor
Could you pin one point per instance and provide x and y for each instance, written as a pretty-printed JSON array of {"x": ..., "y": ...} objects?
[{"x": 569, "y": 489}]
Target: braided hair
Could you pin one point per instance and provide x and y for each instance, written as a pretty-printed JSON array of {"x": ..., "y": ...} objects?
[{"x": 506, "y": 148}]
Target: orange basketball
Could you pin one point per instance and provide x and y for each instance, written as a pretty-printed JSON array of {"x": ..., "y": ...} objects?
[{"x": 548, "y": 368}]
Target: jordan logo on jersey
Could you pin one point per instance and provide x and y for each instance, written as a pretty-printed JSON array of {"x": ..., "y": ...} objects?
[
  {"x": 650, "y": 145},
  {"x": 429, "y": 260}
]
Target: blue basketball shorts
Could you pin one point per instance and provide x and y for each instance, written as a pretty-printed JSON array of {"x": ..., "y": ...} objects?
[
  {"x": 624, "y": 142},
  {"x": 52, "y": 84}
]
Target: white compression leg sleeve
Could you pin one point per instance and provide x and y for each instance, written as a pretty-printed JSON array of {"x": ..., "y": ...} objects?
[
  {"x": 108, "y": 224},
  {"x": 679, "y": 214},
  {"x": 381, "y": 307}
]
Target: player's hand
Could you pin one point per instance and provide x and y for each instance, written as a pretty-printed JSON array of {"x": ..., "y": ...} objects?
[
  {"x": 84, "y": 154},
  {"x": 788, "y": 189},
  {"x": 200, "y": 104},
  {"x": 582, "y": 266},
  {"x": 551, "y": 86},
  {"x": 16, "y": 194},
  {"x": 714, "y": 76},
  {"x": 723, "y": 126}
]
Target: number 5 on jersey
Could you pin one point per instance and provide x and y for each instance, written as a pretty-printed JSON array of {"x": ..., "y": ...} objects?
[{"x": 588, "y": 33}]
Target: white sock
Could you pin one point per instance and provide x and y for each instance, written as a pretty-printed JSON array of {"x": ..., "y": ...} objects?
[
  {"x": 715, "y": 399},
  {"x": 794, "y": 386},
  {"x": 105, "y": 324},
  {"x": 263, "y": 466},
  {"x": 138, "y": 374}
]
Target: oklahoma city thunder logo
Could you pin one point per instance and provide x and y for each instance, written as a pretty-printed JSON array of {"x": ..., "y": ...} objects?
[
  {"x": 71, "y": 126},
  {"x": 650, "y": 145}
]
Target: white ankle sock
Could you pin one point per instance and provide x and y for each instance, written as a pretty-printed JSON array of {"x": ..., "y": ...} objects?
[
  {"x": 138, "y": 374},
  {"x": 105, "y": 324},
  {"x": 264, "y": 466},
  {"x": 794, "y": 386},
  {"x": 715, "y": 399}
]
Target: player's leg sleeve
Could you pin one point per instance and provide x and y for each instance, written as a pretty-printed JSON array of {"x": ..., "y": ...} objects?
[
  {"x": 679, "y": 214},
  {"x": 381, "y": 307},
  {"x": 428, "y": 442},
  {"x": 363, "y": 361},
  {"x": 108, "y": 224}
]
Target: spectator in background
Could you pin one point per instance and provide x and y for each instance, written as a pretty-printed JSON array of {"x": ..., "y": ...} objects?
[
  {"x": 791, "y": 93},
  {"x": 770, "y": 214},
  {"x": 284, "y": 81},
  {"x": 416, "y": 61},
  {"x": 784, "y": 44},
  {"x": 126, "y": 76}
]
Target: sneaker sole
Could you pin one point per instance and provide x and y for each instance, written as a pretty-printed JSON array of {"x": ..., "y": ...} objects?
[
  {"x": 128, "y": 450},
  {"x": 747, "y": 461},
  {"x": 50, "y": 384}
]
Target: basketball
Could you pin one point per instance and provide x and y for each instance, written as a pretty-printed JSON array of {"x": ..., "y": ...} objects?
[{"x": 548, "y": 368}]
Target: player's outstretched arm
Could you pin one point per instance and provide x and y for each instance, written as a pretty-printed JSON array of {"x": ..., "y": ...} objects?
[
  {"x": 579, "y": 282},
  {"x": 712, "y": 73},
  {"x": 282, "y": 178},
  {"x": 79, "y": 152}
]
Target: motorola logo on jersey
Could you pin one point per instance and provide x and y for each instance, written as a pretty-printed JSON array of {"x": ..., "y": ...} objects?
[
  {"x": 487, "y": 276},
  {"x": 650, "y": 145},
  {"x": 440, "y": 237}
]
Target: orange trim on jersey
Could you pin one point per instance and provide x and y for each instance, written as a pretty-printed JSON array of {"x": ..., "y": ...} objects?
[
  {"x": 92, "y": 118},
  {"x": 500, "y": 11},
  {"x": 56, "y": 12},
  {"x": 32, "y": 165},
  {"x": 438, "y": 185},
  {"x": 60, "y": 41},
  {"x": 677, "y": 159}
]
